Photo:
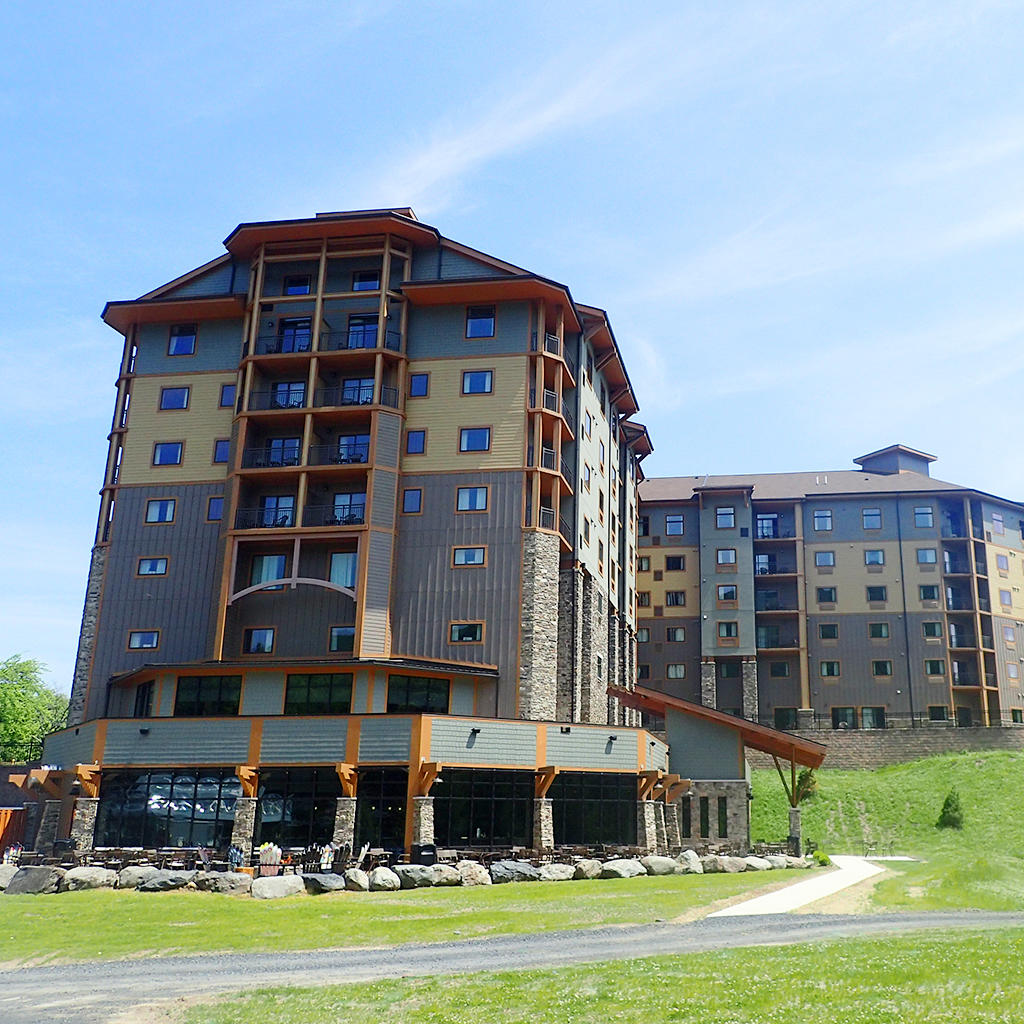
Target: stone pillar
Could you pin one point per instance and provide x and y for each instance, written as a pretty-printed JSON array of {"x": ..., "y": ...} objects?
[
  {"x": 87, "y": 637},
  {"x": 805, "y": 718},
  {"x": 49, "y": 823},
  {"x": 673, "y": 834},
  {"x": 28, "y": 837},
  {"x": 345, "y": 822},
  {"x": 748, "y": 668},
  {"x": 83, "y": 822},
  {"x": 659, "y": 825},
  {"x": 538, "y": 648},
  {"x": 708, "y": 684},
  {"x": 543, "y": 825},
  {"x": 244, "y": 825},
  {"x": 795, "y": 832},
  {"x": 646, "y": 826},
  {"x": 423, "y": 820}
]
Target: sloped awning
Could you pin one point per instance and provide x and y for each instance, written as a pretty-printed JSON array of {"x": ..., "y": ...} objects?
[{"x": 757, "y": 737}]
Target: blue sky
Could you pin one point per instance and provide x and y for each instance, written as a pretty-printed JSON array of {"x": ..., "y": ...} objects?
[{"x": 804, "y": 219}]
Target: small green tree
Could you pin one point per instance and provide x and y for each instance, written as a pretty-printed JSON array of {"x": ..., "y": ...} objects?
[
  {"x": 29, "y": 709},
  {"x": 952, "y": 814},
  {"x": 806, "y": 785}
]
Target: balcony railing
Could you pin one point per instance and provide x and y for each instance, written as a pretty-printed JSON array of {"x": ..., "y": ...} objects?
[
  {"x": 339, "y": 455},
  {"x": 958, "y": 604},
  {"x": 954, "y": 530},
  {"x": 959, "y": 643},
  {"x": 566, "y": 470},
  {"x": 565, "y": 530},
  {"x": 264, "y": 518},
  {"x": 263, "y": 458},
  {"x": 272, "y": 346},
  {"x": 364, "y": 336},
  {"x": 768, "y": 640},
  {"x": 546, "y": 520},
  {"x": 263, "y": 400},
  {"x": 773, "y": 532},
  {"x": 952, "y": 567},
  {"x": 776, "y": 605},
  {"x": 552, "y": 346},
  {"x": 334, "y": 515},
  {"x": 568, "y": 416}
]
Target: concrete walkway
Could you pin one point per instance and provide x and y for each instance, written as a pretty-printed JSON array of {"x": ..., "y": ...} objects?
[{"x": 851, "y": 870}]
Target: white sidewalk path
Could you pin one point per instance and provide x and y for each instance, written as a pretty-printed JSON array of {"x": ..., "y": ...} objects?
[{"x": 851, "y": 871}]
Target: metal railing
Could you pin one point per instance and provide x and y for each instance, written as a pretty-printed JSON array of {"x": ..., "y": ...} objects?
[
  {"x": 334, "y": 515},
  {"x": 263, "y": 400},
  {"x": 339, "y": 454},
  {"x": 951, "y": 568},
  {"x": 389, "y": 397},
  {"x": 347, "y": 394},
  {"x": 762, "y": 641},
  {"x": 956, "y": 531},
  {"x": 773, "y": 533},
  {"x": 568, "y": 416},
  {"x": 774, "y": 606},
  {"x": 361, "y": 337},
  {"x": 567, "y": 472},
  {"x": 546, "y": 520},
  {"x": 274, "y": 345},
  {"x": 263, "y": 458},
  {"x": 565, "y": 530},
  {"x": 264, "y": 518}
]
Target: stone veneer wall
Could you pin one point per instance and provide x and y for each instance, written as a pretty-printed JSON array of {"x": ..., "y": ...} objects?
[
  {"x": 749, "y": 672},
  {"x": 422, "y": 820},
  {"x": 708, "y": 684},
  {"x": 873, "y": 748},
  {"x": 594, "y": 623},
  {"x": 570, "y": 644},
  {"x": 538, "y": 655},
  {"x": 244, "y": 825},
  {"x": 83, "y": 822},
  {"x": 87, "y": 636},
  {"x": 737, "y": 813}
]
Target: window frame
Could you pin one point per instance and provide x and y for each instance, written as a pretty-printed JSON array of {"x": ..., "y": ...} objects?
[
  {"x": 412, "y": 433},
  {"x": 876, "y": 600},
  {"x": 360, "y": 279},
  {"x": 471, "y": 333},
  {"x": 418, "y": 510},
  {"x": 160, "y": 522},
  {"x": 234, "y": 396},
  {"x": 331, "y": 649},
  {"x": 826, "y": 516},
  {"x": 226, "y": 443},
  {"x": 468, "y": 374},
  {"x": 419, "y": 375},
  {"x": 456, "y": 564},
  {"x": 884, "y": 632},
  {"x": 872, "y": 513},
  {"x": 455, "y": 624},
  {"x": 209, "y": 505},
  {"x": 486, "y": 488},
  {"x": 248, "y": 636},
  {"x": 920, "y": 512},
  {"x": 139, "y": 574},
  {"x": 725, "y": 517},
  {"x": 164, "y": 444},
  {"x": 672, "y": 520},
  {"x": 129, "y": 646},
  {"x": 818, "y": 599},
  {"x": 171, "y": 336},
  {"x": 463, "y": 450},
  {"x": 164, "y": 392}
]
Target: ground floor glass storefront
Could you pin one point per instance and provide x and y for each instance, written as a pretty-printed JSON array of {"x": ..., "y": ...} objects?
[
  {"x": 296, "y": 806},
  {"x": 483, "y": 807},
  {"x": 380, "y": 808},
  {"x": 588, "y": 808}
]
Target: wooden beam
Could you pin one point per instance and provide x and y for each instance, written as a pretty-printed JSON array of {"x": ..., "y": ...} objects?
[
  {"x": 249, "y": 777},
  {"x": 647, "y": 781},
  {"x": 542, "y": 779},
  {"x": 427, "y": 776},
  {"x": 89, "y": 776},
  {"x": 348, "y": 777},
  {"x": 676, "y": 790},
  {"x": 47, "y": 780}
]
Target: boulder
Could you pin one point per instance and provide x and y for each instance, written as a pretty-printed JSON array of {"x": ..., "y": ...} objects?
[
  {"x": 688, "y": 863},
  {"x": 733, "y": 865},
  {"x": 473, "y": 873},
  {"x": 445, "y": 874},
  {"x": 35, "y": 881},
  {"x": 229, "y": 882},
  {"x": 165, "y": 881},
  {"x": 134, "y": 875},
  {"x": 88, "y": 878},
  {"x": 777, "y": 860},
  {"x": 557, "y": 872},
  {"x": 414, "y": 876},
  {"x": 711, "y": 863},
  {"x": 514, "y": 871},
  {"x": 622, "y": 867},
  {"x": 319, "y": 882},
  {"x": 7, "y": 872},
  {"x": 357, "y": 880},
  {"x": 656, "y": 865},
  {"x": 277, "y": 887},
  {"x": 757, "y": 863},
  {"x": 383, "y": 879},
  {"x": 797, "y": 862},
  {"x": 588, "y": 868}
]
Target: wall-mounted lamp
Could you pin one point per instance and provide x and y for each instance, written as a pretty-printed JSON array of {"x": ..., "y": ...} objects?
[
  {"x": 144, "y": 731},
  {"x": 612, "y": 739},
  {"x": 565, "y": 730},
  {"x": 474, "y": 731}
]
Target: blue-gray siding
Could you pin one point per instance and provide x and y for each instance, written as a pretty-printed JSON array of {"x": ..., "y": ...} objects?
[
  {"x": 703, "y": 750},
  {"x": 441, "y": 331},
  {"x": 263, "y": 693},
  {"x": 304, "y": 740},
  {"x": 180, "y": 741},
  {"x": 592, "y": 748},
  {"x": 385, "y": 739},
  {"x": 70, "y": 747},
  {"x": 452, "y": 741},
  {"x": 218, "y": 346}
]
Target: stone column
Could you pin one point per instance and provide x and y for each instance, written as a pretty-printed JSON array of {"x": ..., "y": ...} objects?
[
  {"x": 708, "y": 684},
  {"x": 748, "y": 668},
  {"x": 87, "y": 636},
  {"x": 49, "y": 823},
  {"x": 31, "y": 824},
  {"x": 538, "y": 645},
  {"x": 422, "y": 820},
  {"x": 673, "y": 836},
  {"x": 543, "y": 825},
  {"x": 244, "y": 825},
  {"x": 345, "y": 822},
  {"x": 570, "y": 645},
  {"x": 646, "y": 826},
  {"x": 795, "y": 832},
  {"x": 83, "y": 822},
  {"x": 661, "y": 831},
  {"x": 805, "y": 718}
]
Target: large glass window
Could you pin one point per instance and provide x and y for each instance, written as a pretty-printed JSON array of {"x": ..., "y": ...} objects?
[
  {"x": 288, "y": 394},
  {"x": 483, "y": 807},
  {"x": 296, "y": 806},
  {"x": 380, "y": 807},
  {"x": 343, "y": 568},
  {"x": 475, "y": 439},
  {"x": 167, "y": 453},
  {"x": 277, "y": 510},
  {"x": 266, "y": 568},
  {"x": 362, "y": 331},
  {"x": 472, "y": 499},
  {"x": 320, "y": 693},
  {"x": 294, "y": 334},
  {"x": 591, "y": 807},
  {"x": 207, "y": 696},
  {"x": 160, "y": 510},
  {"x": 284, "y": 451},
  {"x": 417, "y": 693},
  {"x": 174, "y": 398}
]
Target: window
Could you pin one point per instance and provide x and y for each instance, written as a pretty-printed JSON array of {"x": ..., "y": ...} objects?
[
  {"x": 1003, "y": 563},
  {"x": 419, "y": 385},
  {"x": 602, "y": 453},
  {"x": 280, "y": 451},
  {"x": 588, "y": 424},
  {"x": 221, "y": 449},
  {"x": 297, "y": 284},
  {"x": 874, "y": 556},
  {"x": 417, "y": 693},
  {"x": 586, "y": 476},
  {"x": 876, "y": 593},
  {"x": 643, "y": 563},
  {"x": 362, "y": 331},
  {"x": 824, "y": 559},
  {"x": 182, "y": 340},
  {"x": 924, "y": 517},
  {"x": 723, "y": 818},
  {"x": 342, "y": 639},
  {"x": 934, "y": 667},
  {"x": 778, "y": 669},
  {"x": 1005, "y": 598},
  {"x": 1012, "y": 671},
  {"x": 266, "y": 568},
  {"x": 215, "y": 509},
  {"x": 586, "y": 531},
  {"x": 705, "y": 826},
  {"x": 160, "y": 510},
  {"x": 227, "y": 395},
  {"x": 928, "y": 592},
  {"x": 643, "y": 598},
  {"x": 673, "y": 526},
  {"x": 365, "y": 280},
  {"x": 416, "y": 442},
  {"x": 143, "y": 639},
  {"x": 168, "y": 453},
  {"x": 675, "y": 598},
  {"x": 729, "y": 670},
  {"x": 643, "y": 671},
  {"x": 643, "y": 635},
  {"x": 600, "y": 667},
  {"x": 258, "y": 641},
  {"x": 823, "y": 519},
  {"x": 477, "y": 382},
  {"x": 676, "y": 671},
  {"x": 275, "y": 510},
  {"x": 475, "y": 439},
  {"x": 152, "y": 567},
  {"x": 927, "y": 556},
  {"x": 871, "y": 518},
  {"x": 294, "y": 334},
  {"x": 291, "y": 394},
  {"x": 932, "y": 630},
  {"x": 726, "y": 556},
  {"x": 872, "y": 718},
  {"x": 412, "y": 500},
  {"x": 728, "y": 592},
  {"x": 174, "y": 398},
  {"x": 827, "y": 669},
  {"x": 878, "y": 630},
  {"x": 1017, "y": 716},
  {"x": 466, "y": 633},
  {"x": 480, "y": 322},
  {"x": 728, "y": 630},
  {"x": 725, "y": 517},
  {"x": 675, "y": 563},
  {"x": 998, "y": 526},
  {"x": 1009, "y": 634},
  {"x": 469, "y": 556},
  {"x": 471, "y": 499},
  {"x": 938, "y": 713},
  {"x": 785, "y": 718},
  {"x": 643, "y": 526},
  {"x": 881, "y": 668},
  {"x": 343, "y": 568},
  {"x": 321, "y": 693},
  {"x": 202, "y": 696},
  {"x": 826, "y": 595},
  {"x": 828, "y": 630},
  {"x": 143, "y": 701},
  {"x": 675, "y": 634}
]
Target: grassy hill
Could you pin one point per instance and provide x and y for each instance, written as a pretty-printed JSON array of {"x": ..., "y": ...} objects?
[{"x": 981, "y": 866}]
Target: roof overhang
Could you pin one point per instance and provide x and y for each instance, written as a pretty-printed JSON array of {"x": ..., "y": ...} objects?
[
  {"x": 123, "y": 314},
  {"x": 757, "y": 737},
  {"x": 638, "y": 439},
  {"x": 608, "y": 359}
]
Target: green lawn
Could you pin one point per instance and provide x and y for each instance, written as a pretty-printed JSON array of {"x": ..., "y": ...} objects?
[
  {"x": 108, "y": 924},
  {"x": 981, "y": 866},
  {"x": 968, "y": 977}
]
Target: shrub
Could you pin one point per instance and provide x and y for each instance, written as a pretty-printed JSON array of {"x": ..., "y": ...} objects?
[
  {"x": 821, "y": 858},
  {"x": 806, "y": 785},
  {"x": 952, "y": 814}
]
